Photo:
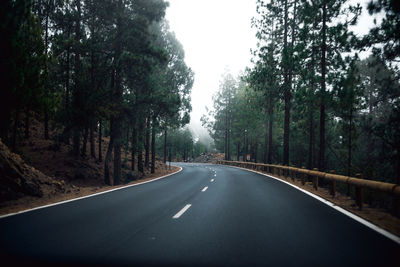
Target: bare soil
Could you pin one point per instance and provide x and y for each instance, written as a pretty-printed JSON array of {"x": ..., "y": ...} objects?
[{"x": 50, "y": 166}]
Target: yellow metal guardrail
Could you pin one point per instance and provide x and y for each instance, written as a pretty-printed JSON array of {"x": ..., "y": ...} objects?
[{"x": 302, "y": 173}]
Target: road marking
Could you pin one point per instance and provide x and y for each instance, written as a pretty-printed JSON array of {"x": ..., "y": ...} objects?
[
  {"x": 215, "y": 175},
  {"x": 182, "y": 211},
  {"x": 212, "y": 180},
  {"x": 334, "y": 206},
  {"x": 92, "y": 195},
  {"x": 204, "y": 189}
]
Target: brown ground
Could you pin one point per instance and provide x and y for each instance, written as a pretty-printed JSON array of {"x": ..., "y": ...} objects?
[
  {"x": 376, "y": 216},
  {"x": 209, "y": 157},
  {"x": 60, "y": 176}
]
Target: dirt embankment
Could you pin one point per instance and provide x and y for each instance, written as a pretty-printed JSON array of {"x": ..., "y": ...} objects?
[
  {"x": 209, "y": 157},
  {"x": 46, "y": 172}
]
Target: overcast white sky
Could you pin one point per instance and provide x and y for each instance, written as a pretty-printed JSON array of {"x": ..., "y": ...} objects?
[{"x": 217, "y": 34}]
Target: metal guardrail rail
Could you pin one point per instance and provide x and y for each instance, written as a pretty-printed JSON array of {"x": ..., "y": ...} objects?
[{"x": 303, "y": 173}]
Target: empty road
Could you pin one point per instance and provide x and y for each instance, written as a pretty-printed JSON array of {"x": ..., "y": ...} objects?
[{"x": 206, "y": 215}]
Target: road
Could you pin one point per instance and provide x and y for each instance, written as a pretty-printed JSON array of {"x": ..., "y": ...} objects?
[{"x": 206, "y": 215}]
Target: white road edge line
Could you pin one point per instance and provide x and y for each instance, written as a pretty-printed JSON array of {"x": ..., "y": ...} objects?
[
  {"x": 204, "y": 189},
  {"x": 92, "y": 195},
  {"x": 332, "y": 205},
  {"x": 182, "y": 211}
]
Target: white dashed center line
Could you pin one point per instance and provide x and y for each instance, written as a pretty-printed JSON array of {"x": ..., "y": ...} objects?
[
  {"x": 204, "y": 189},
  {"x": 179, "y": 214}
]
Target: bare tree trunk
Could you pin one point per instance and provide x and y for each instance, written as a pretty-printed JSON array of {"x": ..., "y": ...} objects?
[
  {"x": 270, "y": 124},
  {"x": 153, "y": 146},
  {"x": 100, "y": 136},
  {"x": 27, "y": 122},
  {"x": 310, "y": 165},
  {"x": 349, "y": 173},
  {"x": 147, "y": 143},
  {"x": 255, "y": 152},
  {"x": 84, "y": 144},
  {"x": 134, "y": 144},
  {"x": 287, "y": 89},
  {"x": 77, "y": 89},
  {"x": 237, "y": 151},
  {"x": 107, "y": 178},
  {"x": 46, "y": 42},
  {"x": 140, "y": 146},
  {"x": 67, "y": 91},
  {"x": 165, "y": 145},
  {"x": 15, "y": 130},
  {"x": 321, "y": 163},
  {"x": 118, "y": 100},
  {"x": 92, "y": 143}
]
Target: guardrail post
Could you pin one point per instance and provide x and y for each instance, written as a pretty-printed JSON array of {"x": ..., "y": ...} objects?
[
  {"x": 315, "y": 180},
  {"x": 332, "y": 186},
  {"x": 303, "y": 176},
  {"x": 359, "y": 193}
]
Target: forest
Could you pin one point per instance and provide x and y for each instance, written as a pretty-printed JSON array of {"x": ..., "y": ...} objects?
[
  {"x": 86, "y": 67},
  {"x": 310, "y": 100},
  {"x": 317, "y": 94}
]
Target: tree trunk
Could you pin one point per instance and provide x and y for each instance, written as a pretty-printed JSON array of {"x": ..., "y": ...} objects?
[
  {"x": 147, "y": 143},
  {"x": 117, "y": 152},
  {"x": 255, "y": 152},
  {"x": 237, "y": 151},
  {"x": 153, "y": 146},
  {"x": 15, "y": 130},
  {"x": 100, "y": 148},
  {"x": 349, "y": 172},
  {"x": 321, "y": 162},
  {"x": 226, "y": 135},
  {"x": 77, "y": 93},
  {"x": 266, "y": 145},
  {"x": 107, "y": 178},
  {"x": 246, "y": 145},
  {"x": 118, "y": 99},
  {"x": 92, "y": 143},
  {"x": 134, "y": 144},
  {"x": 165, "y": 145},
  {"x": 27, "y": 122},
  {"x": 46, "y": 123},
  {"x": 76, "y": 142},
  {"x": 140, "y": 146},
  {"x": 287, "y": 89},
  {"x": 67, "y": 91},
  {"x": 229, "y": 136},
  {"x": 46, "y": 43},
  {"x": 270, "y": 124},
  {"x": 398, "y": 166},
  {"x": 84, "y": 144},
  {"x": 310, "y": 165}
]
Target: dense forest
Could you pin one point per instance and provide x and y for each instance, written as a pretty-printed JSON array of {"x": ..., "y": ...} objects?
[
  {"x": 86, "y": 67},
  {"x": 309, "y": 99}
]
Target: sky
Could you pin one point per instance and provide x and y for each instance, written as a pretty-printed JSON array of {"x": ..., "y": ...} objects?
[{"x": 217, "y": 36}]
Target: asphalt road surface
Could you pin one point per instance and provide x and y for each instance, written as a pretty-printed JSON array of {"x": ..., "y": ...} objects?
[{"x": 206, "y": 215}]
